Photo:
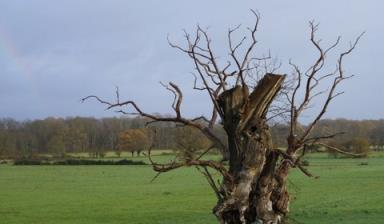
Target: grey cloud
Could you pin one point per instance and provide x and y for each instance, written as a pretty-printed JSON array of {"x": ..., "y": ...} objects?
[{"x": 75, "y": 48}]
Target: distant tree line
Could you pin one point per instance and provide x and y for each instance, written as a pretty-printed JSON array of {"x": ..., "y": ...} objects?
[
  {"x": 58, "y": 136},
  {"x": 350, "y": 135}
]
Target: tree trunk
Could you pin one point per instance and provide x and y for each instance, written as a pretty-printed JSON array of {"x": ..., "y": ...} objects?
[{"x": 255, "y": 192}]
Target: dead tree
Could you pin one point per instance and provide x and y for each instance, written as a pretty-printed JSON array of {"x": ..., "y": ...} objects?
[{"x": 254, "y": 174}]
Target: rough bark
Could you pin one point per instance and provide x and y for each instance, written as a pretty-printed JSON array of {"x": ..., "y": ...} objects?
[{"x": 252, "y": 194}]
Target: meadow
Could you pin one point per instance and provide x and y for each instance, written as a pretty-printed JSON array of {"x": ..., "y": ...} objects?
[{"x": 347, "y": 191}]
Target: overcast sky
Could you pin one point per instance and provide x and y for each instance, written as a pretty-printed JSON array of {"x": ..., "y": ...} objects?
[{"x": 53, "y": 53}]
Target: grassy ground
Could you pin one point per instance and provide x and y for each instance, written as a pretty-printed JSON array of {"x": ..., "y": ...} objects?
[{"x": 346, "y": 192}]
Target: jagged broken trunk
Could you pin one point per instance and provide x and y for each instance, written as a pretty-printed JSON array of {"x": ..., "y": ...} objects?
[{"x": 255, "y": 192}]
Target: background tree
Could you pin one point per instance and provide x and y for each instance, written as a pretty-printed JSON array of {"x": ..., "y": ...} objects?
[
  {"x": 56, "y": 145},
  {"x": 376, "y": 135},
  {"x": 191, "y": 143},
  {"x": 134, "y": 140},
  {"x": 4, "y": 143},
  {"x": 358, "y": 146},
  {"x": 254, "y": 184}
]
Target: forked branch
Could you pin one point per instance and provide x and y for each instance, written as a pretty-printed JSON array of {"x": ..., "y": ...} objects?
[
  {"x": 309, "y": 81},
  {"x": 178, "y": 118}
]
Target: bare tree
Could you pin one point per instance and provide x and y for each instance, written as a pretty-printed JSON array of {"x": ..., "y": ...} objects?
[{"x": 253, "y": 186}]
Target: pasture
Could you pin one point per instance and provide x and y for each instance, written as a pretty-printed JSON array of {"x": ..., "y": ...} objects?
[{"x": 348, "y": 191}]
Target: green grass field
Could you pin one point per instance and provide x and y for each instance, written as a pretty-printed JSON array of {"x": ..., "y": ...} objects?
[{"x": 346, "y": 192}]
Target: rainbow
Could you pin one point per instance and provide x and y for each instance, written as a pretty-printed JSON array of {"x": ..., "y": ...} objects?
[{"x": 10, "y": 52}]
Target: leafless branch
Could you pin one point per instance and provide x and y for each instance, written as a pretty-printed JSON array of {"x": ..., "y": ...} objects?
[
  {"x": 154, "y": 118},
  {"x": 332, "y": 148},
  {"x": 315, "y": 139},
  {"x": 218, "y": 166},
  {"x": 178, "y": 97},
  {"x": 294, "y": 162},
  {"x": 310, "y": 80},
  {"x": 211, "y": 182}
]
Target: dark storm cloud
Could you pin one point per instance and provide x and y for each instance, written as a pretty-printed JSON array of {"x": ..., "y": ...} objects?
[{"x": 52, "y": 53}]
